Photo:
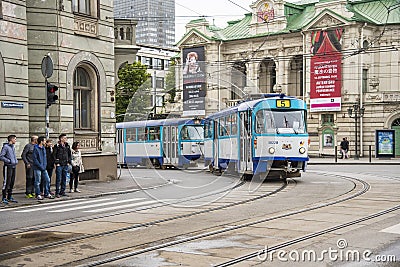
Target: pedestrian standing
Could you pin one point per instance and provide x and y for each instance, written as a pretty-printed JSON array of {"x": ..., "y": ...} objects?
[
  {"x": 39, "y": 169},
  {"x": 50, "y": 160},
  {"x": 27, "y": 158},
  {"x": 62, "y": 158},
  {"x": 344, "y": 148},
  {"x": 77, "y": 167},
  {"x": 9, "y": 158}
]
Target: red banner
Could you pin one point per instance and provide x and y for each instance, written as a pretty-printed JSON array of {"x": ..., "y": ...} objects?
[{"x": 326, "y": 71}]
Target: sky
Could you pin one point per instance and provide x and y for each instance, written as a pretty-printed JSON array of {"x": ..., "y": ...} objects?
[{"x": 219, "y": 11}]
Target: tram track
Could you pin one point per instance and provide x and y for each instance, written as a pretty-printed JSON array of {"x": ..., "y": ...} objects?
[
  {"x": 30, "y": 249},
  {"x": 304, "y": 238},
  {"x": 360, "y": 187}
]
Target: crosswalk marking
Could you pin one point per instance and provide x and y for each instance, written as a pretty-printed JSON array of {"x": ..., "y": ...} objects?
[
  {"x": 124, "y": 206},
  {"x": 395, "y": 229},
  {"x": 58, "y": 205},
  {"x": 41, "y": 205},
  {"x": 81, "y": 207}
]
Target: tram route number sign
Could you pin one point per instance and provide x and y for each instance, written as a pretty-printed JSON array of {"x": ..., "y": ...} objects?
[{"x": 283, "y": 103}]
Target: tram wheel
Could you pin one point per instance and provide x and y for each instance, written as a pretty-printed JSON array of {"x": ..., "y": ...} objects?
[{"x": 163, "y": 167}]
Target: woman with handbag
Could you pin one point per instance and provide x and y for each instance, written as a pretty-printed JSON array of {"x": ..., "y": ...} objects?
[{"x": 77, "y": 168}]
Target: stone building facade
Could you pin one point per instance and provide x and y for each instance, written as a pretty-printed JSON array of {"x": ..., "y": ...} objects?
[
  {"x": 271, "y": 51},
  {"x": 79, "y": 38}
]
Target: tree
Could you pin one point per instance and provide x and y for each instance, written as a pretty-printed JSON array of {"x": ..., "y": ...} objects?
[
  {"x": 131, "y": 96},
  {"x": 170, "y": 82}
]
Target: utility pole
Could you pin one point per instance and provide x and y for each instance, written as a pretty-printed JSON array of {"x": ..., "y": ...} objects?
[{"x": 154, "y": 93}]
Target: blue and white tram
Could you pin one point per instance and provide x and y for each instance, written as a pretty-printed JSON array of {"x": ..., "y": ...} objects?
[
  {"x": 263, "y": 137},
  {"x": 162, "y": 143}
]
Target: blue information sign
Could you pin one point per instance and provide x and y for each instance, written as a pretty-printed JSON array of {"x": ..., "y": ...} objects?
[
  {"x": 384, "y": 143},
  {"x": 12, "y": 105}
]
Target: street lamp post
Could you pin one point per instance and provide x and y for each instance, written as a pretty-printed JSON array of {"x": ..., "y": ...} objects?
[{"x": 358, "y": 113}]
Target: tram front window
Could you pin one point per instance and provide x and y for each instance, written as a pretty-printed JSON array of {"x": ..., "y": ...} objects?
[
  {"x": 278, "y": 121},
  {"x": 192, "y": 132}
]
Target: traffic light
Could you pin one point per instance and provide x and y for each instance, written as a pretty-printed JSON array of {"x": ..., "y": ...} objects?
[{"x": 51, "y": 94}]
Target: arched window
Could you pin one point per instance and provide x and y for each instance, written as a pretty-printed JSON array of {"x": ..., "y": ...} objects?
[{"x": 82, "y": 99}]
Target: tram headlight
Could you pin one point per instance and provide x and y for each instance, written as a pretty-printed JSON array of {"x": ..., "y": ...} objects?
[
  {"x": 271, "y": 150},
  {"x": 302, "y": 150}
]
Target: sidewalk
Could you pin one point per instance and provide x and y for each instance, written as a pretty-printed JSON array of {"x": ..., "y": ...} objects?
[
  {"x": 93, "y": 188},
  {"x": 352, "y": 161}
]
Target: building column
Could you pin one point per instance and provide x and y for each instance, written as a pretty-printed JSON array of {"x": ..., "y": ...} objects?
[{"x": 252, "y": 77}]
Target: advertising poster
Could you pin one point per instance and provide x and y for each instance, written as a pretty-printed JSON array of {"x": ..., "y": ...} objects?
[
  {"x": 385, "y": 143},
  {"x": 326, "y": 70},
  {"x": 194, "y": 81},
  {"x": 328, "y": 140}
]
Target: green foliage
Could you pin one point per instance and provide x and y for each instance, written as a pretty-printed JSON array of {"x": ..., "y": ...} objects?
[
  {"x": 170, "y": 82},
  {"x": 131, "y": 96}
]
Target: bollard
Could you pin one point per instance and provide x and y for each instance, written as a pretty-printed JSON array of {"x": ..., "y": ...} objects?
[
  {"x": 370, "y": 153},
  {"x": 335, "y": 154}
]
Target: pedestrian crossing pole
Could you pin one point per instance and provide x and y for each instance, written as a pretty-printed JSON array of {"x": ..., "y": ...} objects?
[
  {"x": 47, "y": 72},
  {"x": 47, "y": 112}
]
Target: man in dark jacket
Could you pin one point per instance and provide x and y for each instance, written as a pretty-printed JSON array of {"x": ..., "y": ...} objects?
[
  {"x": 9, "y": 158},
  {"x": 39, "y": 168},
  {"x": 27, "y": 158},
  {"x": 62, "y": 158}
]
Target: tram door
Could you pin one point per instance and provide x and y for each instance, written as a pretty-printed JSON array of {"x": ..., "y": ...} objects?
[
  {"x": 120, "y": 146},
  {"x": 246, "y": 164},
  {"x": 170, "y": 145},
  {"x": 215, "y": 144}
]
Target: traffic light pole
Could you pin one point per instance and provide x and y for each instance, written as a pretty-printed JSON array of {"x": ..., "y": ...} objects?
[{"x": 47, "y": 113}]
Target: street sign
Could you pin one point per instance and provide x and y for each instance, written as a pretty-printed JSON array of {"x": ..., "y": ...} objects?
[{"x": 47, "y": 67}]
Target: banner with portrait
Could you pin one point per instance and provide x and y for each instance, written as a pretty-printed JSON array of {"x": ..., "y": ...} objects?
[
  {"x": 326, "y": 70},
  {"x": 194, "y": 81}
]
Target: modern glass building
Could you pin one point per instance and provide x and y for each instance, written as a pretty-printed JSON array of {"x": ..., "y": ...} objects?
[{"x": 156, "y": 20}]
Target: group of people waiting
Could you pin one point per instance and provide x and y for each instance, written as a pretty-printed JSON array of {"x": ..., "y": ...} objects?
[{"x": 41, "y": 157}]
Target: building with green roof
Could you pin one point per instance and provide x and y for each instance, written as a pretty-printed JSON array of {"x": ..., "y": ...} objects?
[{"x": 333, "y": 54}]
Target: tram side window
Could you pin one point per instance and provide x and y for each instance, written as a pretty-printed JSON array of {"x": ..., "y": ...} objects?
[
  {"x": 154, "y": 133},
  {"x": 131, "y": 135},
  {"x": 222, "y": 127},
  {"x": 141, "y": 133},
  {"x": 233, "y": 124}
]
